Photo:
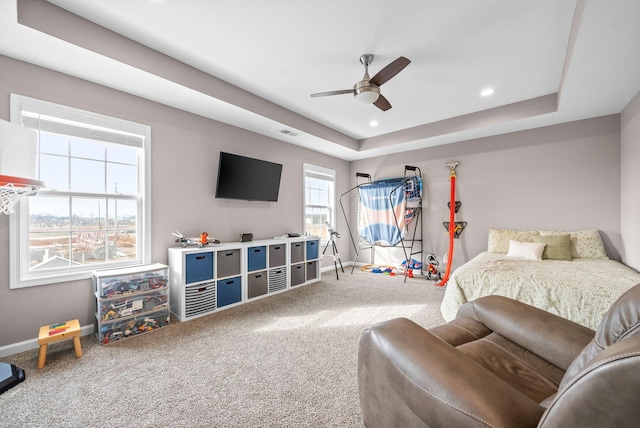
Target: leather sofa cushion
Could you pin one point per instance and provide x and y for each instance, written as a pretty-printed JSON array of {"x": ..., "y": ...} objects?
[{"x": 525, "y": 371}]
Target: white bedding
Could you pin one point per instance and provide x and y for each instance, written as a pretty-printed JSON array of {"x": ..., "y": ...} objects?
[{"x": 581, "y": 290}]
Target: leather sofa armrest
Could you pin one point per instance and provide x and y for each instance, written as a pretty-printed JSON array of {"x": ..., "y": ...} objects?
[
  {"x": 440, "y": 385},
  {"x": 549, "y": 336}
]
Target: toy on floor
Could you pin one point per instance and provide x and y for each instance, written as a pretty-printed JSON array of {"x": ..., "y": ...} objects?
[
  {"x": 387, "y": 270},
  {"x": 432, "y": 268}
]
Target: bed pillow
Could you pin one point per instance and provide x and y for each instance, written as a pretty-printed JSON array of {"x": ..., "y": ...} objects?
[
  {"x": 557, "y": 247},
  {"x": 499, "y": 239},
  {"x": 584, "y": 243},
  {"x": 525, "y": 250}
]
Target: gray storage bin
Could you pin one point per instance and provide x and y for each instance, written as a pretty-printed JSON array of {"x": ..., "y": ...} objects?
[
  {"x": 297, "y": 274},
  {"x": 228, "y": 263},
  {"x": 297, "y": 252},
  {"x": 257, "y": 284},
  {"x": 312, "y": 270},
  {"x": 277, "y": 255}
]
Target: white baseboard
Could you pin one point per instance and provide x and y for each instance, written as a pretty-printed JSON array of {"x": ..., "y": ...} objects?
[
  {"x": 28, "y": 345},
  {"x": 332, "y": 267}
]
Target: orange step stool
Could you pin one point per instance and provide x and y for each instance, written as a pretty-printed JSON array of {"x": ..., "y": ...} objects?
[{"x": 55, "y": 333}]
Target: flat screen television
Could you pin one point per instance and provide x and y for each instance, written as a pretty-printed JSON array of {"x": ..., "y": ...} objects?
[{"x": 249, "y": 179}]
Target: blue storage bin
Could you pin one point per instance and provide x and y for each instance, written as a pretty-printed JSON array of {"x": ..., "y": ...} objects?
[
  {"x": 199, "y": 267},
  {"x": 312, "y": 249},
  {"x": 257, "y": 258},
  {"x": 228, "y": 291}
]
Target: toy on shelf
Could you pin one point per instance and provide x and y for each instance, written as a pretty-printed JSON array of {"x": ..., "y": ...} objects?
[{"x": 201, "y": 241}]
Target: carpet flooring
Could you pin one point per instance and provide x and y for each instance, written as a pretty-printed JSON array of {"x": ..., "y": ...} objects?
[{"x": 289, "y": 360}]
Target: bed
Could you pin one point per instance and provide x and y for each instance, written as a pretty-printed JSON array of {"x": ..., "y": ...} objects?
[{"x": 578, "y": 282}]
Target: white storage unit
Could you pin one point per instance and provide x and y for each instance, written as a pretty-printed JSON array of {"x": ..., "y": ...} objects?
[
  {"x": 131, "y": 301},
  {"x": 219, "y": 276}
]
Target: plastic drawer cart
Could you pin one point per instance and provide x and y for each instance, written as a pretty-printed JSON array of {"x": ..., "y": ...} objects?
[{"x": 131, "y": 301}]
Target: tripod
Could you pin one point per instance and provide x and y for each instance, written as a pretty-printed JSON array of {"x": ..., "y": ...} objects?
[{"x": 336, "y": 256}]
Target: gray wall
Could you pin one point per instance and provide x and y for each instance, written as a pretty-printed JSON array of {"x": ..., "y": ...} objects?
[
  {"x": 184, "y": 165},
  {"x": 630, "y": 179},
  {"x": 564, "y": 177}
]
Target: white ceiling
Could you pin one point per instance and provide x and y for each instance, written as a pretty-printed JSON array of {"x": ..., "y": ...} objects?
[{"x": 586, "y": 51}]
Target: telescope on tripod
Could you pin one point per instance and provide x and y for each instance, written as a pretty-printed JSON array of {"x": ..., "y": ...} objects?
[{"x": 333, "y": 234}]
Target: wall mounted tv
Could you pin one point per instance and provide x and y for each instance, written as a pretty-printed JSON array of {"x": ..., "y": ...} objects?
[{"x": 248, "y": 179}]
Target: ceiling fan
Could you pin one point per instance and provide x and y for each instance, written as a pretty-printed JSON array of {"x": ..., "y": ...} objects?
[{"x": 367, "y": 90}]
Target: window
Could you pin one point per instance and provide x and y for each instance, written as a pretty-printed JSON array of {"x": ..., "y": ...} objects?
[
  {"x": 319, "y": 200},
  {"x": 94, "y": 212}
]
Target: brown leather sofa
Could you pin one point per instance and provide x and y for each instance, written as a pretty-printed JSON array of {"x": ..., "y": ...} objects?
[{"x": 502, "y": 363}]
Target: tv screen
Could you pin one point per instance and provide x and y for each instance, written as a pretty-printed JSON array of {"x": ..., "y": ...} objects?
[{"x": 249, "y": 179}]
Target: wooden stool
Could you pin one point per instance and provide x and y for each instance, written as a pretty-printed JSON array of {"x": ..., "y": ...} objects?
[{"x": 55, "y": 333}]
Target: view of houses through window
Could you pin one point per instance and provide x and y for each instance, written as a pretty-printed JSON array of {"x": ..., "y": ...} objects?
[{"x": 90, "y": 213}]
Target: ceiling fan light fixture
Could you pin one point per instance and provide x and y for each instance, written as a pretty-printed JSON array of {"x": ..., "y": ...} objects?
[
  {"x": 367, "y": 97},
  {"x": 365, "y": 92}
]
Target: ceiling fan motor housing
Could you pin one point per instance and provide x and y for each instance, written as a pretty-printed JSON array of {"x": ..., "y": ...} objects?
[{"x": 366, "y": 92}]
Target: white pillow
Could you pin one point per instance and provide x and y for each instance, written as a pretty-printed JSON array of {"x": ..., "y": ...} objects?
[
  {"x": 499, "y": 239},
  {"x": 525, "y": 250}
]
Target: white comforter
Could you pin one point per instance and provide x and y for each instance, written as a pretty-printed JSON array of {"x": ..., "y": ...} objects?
[{"x": 581, "y": 290}]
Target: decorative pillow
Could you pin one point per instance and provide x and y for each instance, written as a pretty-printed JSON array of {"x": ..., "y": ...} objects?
[
  {"x": 525, "y": 250},
  {"x": 557, "y": 247},
  {"x": 584, "y": 243},
  {"x": 499, "y": 239}
]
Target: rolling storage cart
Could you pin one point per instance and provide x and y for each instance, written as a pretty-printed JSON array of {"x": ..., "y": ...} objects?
[{"x": 131, "y": 301}]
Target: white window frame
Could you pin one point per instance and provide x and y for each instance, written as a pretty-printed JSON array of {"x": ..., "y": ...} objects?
[
  {"x": 19, "y": 273},
  {"x": 328, "y": 174}
]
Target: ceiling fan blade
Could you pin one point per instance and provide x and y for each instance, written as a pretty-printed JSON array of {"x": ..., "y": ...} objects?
[
  {"x": 390, "y": 70},
  {"x": 326, "y": 94},
  {"x": 382, "y": 103}
]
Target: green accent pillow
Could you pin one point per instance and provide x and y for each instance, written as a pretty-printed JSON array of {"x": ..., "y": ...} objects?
[{"x": 558, "y": 247}]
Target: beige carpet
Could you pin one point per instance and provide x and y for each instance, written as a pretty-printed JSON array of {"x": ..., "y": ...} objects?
[{"x": 289, "y": 360}]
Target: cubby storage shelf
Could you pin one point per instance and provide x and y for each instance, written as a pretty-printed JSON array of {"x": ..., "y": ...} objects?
[{"x": 220, "y": 276}]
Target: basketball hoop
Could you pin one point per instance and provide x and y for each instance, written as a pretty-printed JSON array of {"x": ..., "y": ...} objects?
[{"x": 12, "y": 189}]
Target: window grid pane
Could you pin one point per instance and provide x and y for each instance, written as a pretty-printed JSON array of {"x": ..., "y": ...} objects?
[{"x": 319, "y": 203}]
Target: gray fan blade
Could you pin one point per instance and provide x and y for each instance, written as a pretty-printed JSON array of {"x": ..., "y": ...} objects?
[{"x": 326, "y": 94}]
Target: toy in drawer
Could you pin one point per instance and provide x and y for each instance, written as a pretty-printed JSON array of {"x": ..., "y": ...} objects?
[
  {"x": 119, "y": 307},
  {"x": 127, "y": 327},
  {"x": 200, "y": 299},
  {"x": 127, "y": 284}
]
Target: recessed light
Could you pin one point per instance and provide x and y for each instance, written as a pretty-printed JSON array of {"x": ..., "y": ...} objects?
[
  {"x": 486, "y": 92},
  {"x": 373, "y": 123}
]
